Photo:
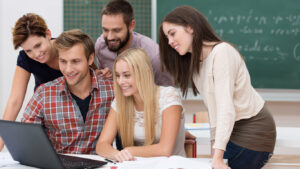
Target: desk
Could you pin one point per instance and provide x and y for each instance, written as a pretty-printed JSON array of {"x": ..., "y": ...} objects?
[{"x": 144, "y": 163}]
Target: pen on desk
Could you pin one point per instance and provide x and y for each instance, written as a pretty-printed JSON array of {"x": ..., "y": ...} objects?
[{"x": 108, "y": 160}]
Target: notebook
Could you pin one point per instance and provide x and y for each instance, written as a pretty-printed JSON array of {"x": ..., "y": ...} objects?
[{"x": 29, "y": 144}]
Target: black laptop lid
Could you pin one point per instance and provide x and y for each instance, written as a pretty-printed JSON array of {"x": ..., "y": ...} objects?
[{"x": 28, "y": 144}]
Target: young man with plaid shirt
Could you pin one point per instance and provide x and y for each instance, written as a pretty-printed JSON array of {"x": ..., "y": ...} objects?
[{"x": 72, "y": 108}]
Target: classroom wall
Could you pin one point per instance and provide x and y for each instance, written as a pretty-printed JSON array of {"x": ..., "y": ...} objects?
[{"x": 10, "y": 11}]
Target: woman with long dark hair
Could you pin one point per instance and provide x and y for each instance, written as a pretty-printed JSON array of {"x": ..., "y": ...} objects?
[{"x": 193, "y": 53}]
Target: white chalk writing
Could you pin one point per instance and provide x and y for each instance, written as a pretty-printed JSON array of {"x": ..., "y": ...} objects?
[{"x": 273, "y": 37}]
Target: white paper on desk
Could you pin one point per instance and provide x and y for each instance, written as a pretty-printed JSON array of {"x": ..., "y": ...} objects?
[
  {"x": 164, "y": 163},
  {"x": 6, "y": 160}
]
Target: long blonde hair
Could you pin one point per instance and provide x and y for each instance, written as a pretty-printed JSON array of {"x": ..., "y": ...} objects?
[{"x": 140, "y": 66}]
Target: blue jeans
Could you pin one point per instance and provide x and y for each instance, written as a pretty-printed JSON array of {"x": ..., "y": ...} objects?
[{"x": 243, "y": 158}]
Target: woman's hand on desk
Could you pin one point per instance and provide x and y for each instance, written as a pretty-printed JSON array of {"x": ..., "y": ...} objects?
[
  {"x": 219, "y": 165},
  {"x": 124, "y": 155},
  {"x": 217, "y": 161}
]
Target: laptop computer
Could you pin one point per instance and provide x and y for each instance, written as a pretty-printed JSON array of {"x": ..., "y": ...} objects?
[{"x": 29, "y": 144}]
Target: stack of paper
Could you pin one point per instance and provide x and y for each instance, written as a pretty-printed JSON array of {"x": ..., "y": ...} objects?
[{"x": 165, "y": 163}]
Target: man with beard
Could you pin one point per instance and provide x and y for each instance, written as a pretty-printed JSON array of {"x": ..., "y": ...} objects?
[{"x": 118, "y": 24}]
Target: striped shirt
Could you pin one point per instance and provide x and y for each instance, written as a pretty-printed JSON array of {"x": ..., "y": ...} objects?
[{"x": 53, "y": 106}]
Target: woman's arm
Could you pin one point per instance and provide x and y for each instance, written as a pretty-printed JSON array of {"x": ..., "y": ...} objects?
[
  {"x": 225, "y": 72},
  {"x": 171, "y": 117},
  {"x": 217, "y": 156},
  {"x": 17, "y": 94},
  {"x": 104, "y": 145}
]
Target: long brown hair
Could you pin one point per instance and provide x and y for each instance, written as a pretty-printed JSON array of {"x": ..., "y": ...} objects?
[{"x": 183, "y": 67}]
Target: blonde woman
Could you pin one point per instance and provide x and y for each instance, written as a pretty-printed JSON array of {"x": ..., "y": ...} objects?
[{"x": 149, "y": 118}]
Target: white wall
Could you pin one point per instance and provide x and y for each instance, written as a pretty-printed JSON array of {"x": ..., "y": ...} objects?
[{"x": 10, "y": 11}]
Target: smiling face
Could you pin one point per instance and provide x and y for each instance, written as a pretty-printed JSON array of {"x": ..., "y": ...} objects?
[
  {"x": 74, "y": 66},
  {"x": 179, "y": 38},
  {"x": 38, "y": 48},
  {"x": 115, "y": 32},
  {"x": 125, "y": 79}
]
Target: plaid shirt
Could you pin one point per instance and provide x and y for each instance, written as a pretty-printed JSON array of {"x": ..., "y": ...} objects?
[{"x": 54, "y": 108}]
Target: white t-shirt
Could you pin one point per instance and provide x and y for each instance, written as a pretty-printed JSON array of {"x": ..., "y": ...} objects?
[{"x": 169, "y": 96}]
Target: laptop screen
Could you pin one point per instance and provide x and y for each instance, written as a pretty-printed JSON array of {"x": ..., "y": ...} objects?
[{"x": 29, "y": 144}]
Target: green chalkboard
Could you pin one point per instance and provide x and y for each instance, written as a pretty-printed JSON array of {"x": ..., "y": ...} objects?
[{"x": 266, "y": 32}]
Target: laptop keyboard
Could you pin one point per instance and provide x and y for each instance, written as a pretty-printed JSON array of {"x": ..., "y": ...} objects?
[{"x": 71, "y": 162}]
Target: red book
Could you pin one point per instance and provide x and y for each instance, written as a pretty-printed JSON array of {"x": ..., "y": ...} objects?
[
  {"x": 194, "y": 118},
  {"x": 195, "y": 150}
]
